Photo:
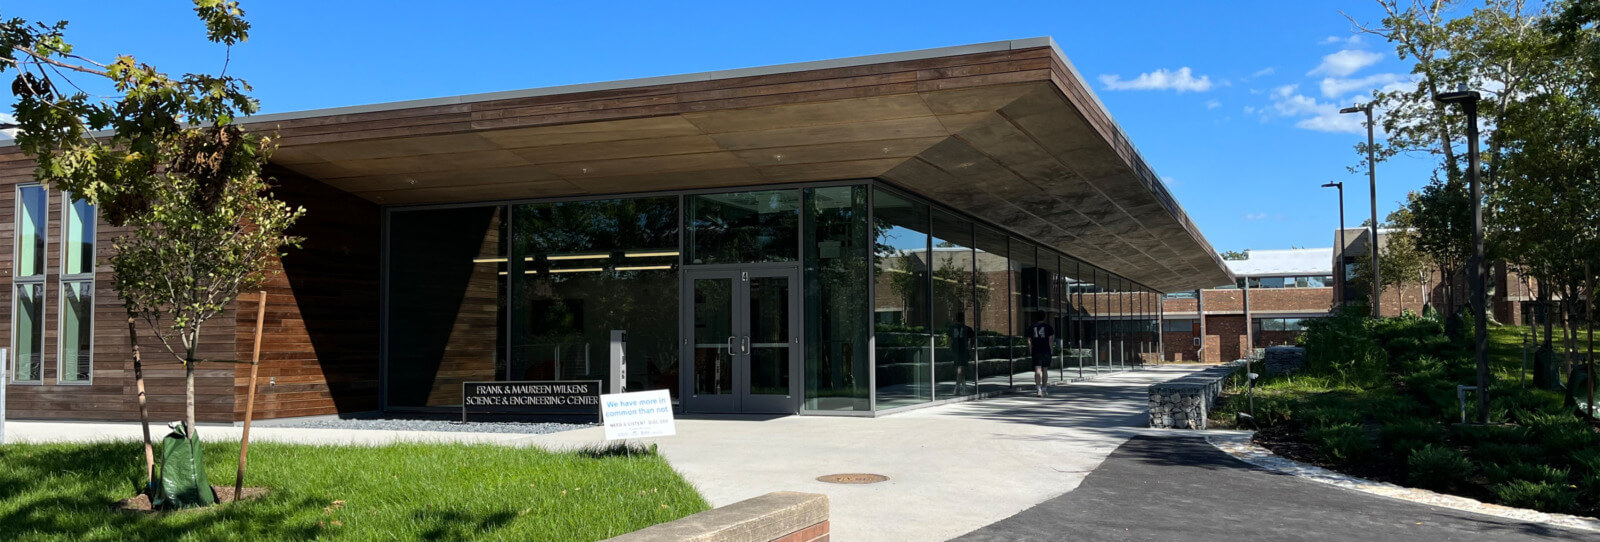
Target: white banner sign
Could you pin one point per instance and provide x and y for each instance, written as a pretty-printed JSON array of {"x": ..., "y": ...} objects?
[{"x": 640, "y": 414}]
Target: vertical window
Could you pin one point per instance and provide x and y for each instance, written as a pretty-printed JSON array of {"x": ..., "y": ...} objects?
[
  {"x": 836, "y": 254},
  {"x": 904, "y": 365},
  {"x": 27, "y": 309},
  {"x": 77, "y": 292}
]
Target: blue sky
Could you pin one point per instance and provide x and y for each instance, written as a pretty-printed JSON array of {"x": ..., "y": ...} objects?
[{"x": 1232, "y": 103}]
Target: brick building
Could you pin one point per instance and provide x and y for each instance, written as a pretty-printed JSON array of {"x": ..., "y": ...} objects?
[{"x": 1278, "y": 290}]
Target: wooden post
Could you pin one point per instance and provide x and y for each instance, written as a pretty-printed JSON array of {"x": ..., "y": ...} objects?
[
  {"x": 250, "y": 400},
  {"x": 144, "y": 407}
]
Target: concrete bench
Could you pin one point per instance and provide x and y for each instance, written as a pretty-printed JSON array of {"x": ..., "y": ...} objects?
[
  {"x": 783, "y": 516},
  {"x": 1183, "y": 403}
]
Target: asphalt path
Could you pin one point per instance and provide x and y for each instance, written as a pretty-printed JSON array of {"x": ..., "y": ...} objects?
[{"x": 1182, "y": 488}]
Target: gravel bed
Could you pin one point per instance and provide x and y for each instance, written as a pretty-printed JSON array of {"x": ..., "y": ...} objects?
[{"x": 532, "y": 428}]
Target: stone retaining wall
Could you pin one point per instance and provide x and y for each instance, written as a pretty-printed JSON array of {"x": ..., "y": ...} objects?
[
  {"x": 1183, "y": 403},
  {"x": 783, "y": 516}
]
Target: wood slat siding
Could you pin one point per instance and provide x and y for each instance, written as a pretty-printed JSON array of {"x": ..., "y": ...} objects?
[
  {"x": 319, "y": 352},
  {"x": 110, "y": 395}
]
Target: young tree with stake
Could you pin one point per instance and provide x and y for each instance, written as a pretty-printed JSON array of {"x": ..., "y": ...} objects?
[{"x": 162, "y": 157}]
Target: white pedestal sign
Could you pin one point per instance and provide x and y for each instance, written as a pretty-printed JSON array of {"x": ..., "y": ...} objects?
[{"x": 641, "y": 414}]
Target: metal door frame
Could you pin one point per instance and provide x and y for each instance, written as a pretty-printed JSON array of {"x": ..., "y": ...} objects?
[{"x": 740, "y": 400}]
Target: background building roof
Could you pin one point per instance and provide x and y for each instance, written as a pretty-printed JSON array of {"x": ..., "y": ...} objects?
[{"x": 1295, "y": 261}]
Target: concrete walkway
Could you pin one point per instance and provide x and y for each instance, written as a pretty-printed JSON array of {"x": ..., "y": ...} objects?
[
  {"x": 1179, "y": 487},
  {"x": 952, "y": 469}
]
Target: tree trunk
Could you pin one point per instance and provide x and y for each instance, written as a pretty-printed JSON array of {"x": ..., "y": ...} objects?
[
  {"x": 1544, "y": 358},
  {"x": 144, "y": 407},
  {"x": 188, "y": 394},
  {"x": 1568, "y": 334}
]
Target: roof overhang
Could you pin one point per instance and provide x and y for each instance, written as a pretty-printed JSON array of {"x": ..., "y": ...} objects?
[{"x": 1006, "y": 131}]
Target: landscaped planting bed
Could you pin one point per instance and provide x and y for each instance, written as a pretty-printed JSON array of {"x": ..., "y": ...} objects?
[
  {"x": 397, "y": 492},
  {"x": 1378, "y": 400}
]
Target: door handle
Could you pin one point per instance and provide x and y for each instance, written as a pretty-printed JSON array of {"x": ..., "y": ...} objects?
[
  {"x": 731, "y": 350},
  {"x": 744, "y": 344}
]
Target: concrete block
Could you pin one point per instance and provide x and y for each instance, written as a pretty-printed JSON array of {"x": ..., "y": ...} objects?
[{"x": 769, "y": 517}]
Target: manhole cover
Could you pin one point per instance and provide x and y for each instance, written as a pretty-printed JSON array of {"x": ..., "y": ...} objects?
[{"x": 853, "y": 478}]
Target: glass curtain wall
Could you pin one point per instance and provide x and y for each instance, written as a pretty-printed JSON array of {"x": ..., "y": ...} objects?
[
  {"x": 836, "y": 300},
  {"x": 923, "y": 302},
  {"x": 992, "y": 311},
  {"x": 1072, "y": 356},
  {"x": 581, "y": 269},
  {"x": 1106, "y": 355},
  {"x": 901, "y": 302},
  {"x": 955, "y": 292},
  {"x": 1025, "y": 295},
  {"x": 743, "y": 227}
]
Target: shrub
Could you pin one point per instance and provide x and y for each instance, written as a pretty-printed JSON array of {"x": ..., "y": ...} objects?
[
  {"x": 1343, "y": 443},
  {"x": 1521, "y": 403},
  {"x": 1561, "y": 433},
  {"x": 1390, "y": 407},
  {"x": 1500, "y": 473},
  {"x": 1545, "y": 496},
  {"x": 1403, "y": 436},
  {"x": 1587, "y": 461},
  {"x": 1478, "y": 434},
  {"x": 1324, "y": 416},
  {"x": 1270, "y": 410},
  {"x": 1438, "y": 467},
  {"x": 1505, "y": 453}
]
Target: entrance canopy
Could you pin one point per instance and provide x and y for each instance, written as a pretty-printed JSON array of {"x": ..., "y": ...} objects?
[{"x": 1006, "y": 131}]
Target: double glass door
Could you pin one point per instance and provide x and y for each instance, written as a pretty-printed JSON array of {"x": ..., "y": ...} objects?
[{"x": 742, "y": 339}]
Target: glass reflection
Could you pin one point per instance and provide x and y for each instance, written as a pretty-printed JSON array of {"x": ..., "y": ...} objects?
[
  {"x": 992, "y": 311},
  {"x": 581, "y": 269},
  {"x": 744, "y": 227},
  {"x": 769, "y": 335},
  {"x": 955, "y": 291},
  {"x": 713, "y": 336},
  {"x": 900, "y": 272},
  {"x": 836, "y": 301}
]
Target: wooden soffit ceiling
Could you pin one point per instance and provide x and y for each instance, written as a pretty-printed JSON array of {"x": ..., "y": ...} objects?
[{"x": 1011, "y": 135}]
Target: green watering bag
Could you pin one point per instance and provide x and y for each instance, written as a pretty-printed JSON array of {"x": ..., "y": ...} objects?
[{"x": 183, "y": 482}]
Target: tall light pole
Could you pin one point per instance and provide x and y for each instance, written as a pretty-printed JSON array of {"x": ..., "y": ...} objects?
[
  {"x": 1344, "y": 288},
  {"x": 1372, "y": 181},
  {"x": 1480, "y": 326}
]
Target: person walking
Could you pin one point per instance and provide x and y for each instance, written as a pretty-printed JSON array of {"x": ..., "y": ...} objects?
[
  {"x": 961, "y": 347},
  {"x": 1039, "y": 339}
]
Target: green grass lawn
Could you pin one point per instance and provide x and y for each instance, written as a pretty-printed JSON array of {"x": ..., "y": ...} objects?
[{"x": 396, "y": 492}]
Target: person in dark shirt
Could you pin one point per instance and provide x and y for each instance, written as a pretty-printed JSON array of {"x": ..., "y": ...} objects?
[
  {"x": 1039, "y": 339},
  {"x": 960, "y": 335}
]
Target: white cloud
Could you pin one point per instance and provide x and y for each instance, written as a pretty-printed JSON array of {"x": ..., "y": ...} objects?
[
  {"x": 1349, "y": 40},
  {"x": 1252, "y": 217},
  {"x": 1345, "y": 62},
  {"x": 1333, "y": 121},
  {"x": 1263, "y": 72},
  {"x": 1213, "y": 104},
  {"x": 1334, "y": 87},
  {"x": 1249, "y": 110},
  {"x": 1315, "y": 115},
  {"x": 1181, "y": 80}
]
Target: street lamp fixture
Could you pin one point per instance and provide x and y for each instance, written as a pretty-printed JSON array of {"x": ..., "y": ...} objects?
[
  {"x": 1468, "y": 100},
  {"x": 1344, "y": 288},
  {"x": 1372, "y": 181}
]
